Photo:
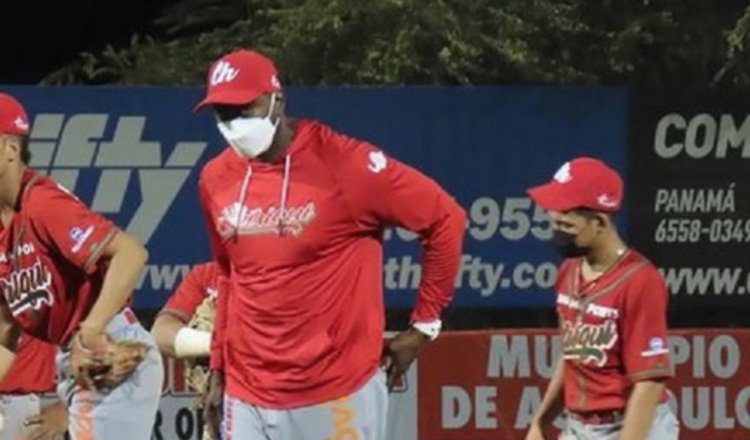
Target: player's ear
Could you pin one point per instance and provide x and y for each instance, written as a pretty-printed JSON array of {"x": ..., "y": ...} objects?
[{"x": 603, "y": 220}]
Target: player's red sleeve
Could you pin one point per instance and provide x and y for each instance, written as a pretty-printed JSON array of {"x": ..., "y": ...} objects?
[
  {"x": 222, "y": 261},
  {"x": 33, "y": 370},
  {"x": 645, "y": 345},
  {"x": 64, "y": 222},
  {"x": 563, "y": 276},
  {"x": 189, "y": 294},
  {"x": 384, "y": 192},
  {"x": 220, "y": 325}
]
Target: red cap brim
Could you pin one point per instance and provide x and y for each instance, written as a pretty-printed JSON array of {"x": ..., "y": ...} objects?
[
  {"x": 228, "y": 97},
  {"x": 551, "y": 197}
]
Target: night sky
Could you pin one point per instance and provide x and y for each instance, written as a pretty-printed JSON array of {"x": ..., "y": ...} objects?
[{"x": 39, "y": 36}]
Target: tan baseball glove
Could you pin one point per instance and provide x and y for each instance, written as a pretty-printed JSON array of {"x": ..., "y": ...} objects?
[
  {"x": 107, "y": 365},
  {"x": 196, "y": 369}
]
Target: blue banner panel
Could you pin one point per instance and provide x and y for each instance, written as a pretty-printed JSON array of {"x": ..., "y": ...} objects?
[{"x": 135, "y": 153}]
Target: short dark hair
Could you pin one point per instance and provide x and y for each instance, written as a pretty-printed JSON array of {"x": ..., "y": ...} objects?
[
  {"x": 24, "y": 149},
  {"x": 590, "y": 214}
]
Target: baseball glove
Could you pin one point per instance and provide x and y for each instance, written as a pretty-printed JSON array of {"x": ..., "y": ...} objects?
[
  {"x": 196, "y": 369},
  {"x": 106, "y": 366}
]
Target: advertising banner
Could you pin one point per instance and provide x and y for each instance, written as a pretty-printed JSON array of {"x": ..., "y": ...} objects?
[
  {"x": 135, "y": 154},
  {"x": 690, "y": 194},
  {"x": 492, "y": 392}
]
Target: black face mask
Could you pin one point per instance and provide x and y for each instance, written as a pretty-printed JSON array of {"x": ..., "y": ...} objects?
[{"x": 566, "y": 246}]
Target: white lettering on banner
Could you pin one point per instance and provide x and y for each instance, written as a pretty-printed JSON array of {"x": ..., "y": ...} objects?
[
  {"x": 709, "y": 407},
  {"x": 695, "y": 200},
  {"x": 62, "y": 146},
  {"x": 707, "y": 280},
  {"x": 531, "y": 398},
  {"x": 458, "y": 406},
  {"x": 722, "y": 356},
  {"x": 707, "y": 397},
  {"x": 698, "y": 407},
  {"x": 163, "y": 276},
  {"x": 702, "y": 136},
  {"x": 518, "y": 218},
  {"x": 488, "y": 278},
  {"x": 405, "y": 272},
  {"x": 511, "y": 218},
  {"x": 178, "y": 419},
  {"x": 509, "y": 356}
]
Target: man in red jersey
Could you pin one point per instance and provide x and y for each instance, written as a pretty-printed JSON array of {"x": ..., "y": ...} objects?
[
  {"x": 171, "y": 331},
  {"x": 296, "y": 214},
  {"x": 612, "y": 304},
  {"x": 177, "y": 336},
  {"x": 31, "y": 376},
  {"x": 67, "y": 275}
]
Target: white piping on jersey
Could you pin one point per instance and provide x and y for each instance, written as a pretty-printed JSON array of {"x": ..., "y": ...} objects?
[{"x": 284, "y": 193}]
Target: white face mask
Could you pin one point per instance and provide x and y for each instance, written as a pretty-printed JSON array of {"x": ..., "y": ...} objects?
[{"x": 251, "y": 137}]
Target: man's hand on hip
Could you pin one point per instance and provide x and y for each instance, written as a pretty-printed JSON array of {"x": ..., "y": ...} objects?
[{"x": 400, "y": 352}]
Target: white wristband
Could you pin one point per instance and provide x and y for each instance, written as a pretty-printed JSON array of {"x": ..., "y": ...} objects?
[
  {"x": 430, "y": 329},
  {"x": 192, "y": 343}
]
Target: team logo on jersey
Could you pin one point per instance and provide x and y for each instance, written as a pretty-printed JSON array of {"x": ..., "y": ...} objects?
[
  {"x": 240, "y": 219},
  {"x": 656, "y": 347},
  {"x": 589, "y": 343},
  {"x": 79, "y": 237},
  {"x": 28, "y": 288}
]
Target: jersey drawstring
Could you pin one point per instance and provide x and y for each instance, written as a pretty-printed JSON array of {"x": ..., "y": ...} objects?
[
  {"x": 284, "y": 193},
  {"x": 241, "y": 209},
  {"x": 241, "y": 202}
]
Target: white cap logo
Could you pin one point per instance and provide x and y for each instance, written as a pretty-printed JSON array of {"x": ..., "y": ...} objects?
[
  {"x": 563, "y": 174},
  {"x": 21, "y": 124},
  {"x": 606, "y": 201},
  {"x": 378, "y": 161},
  {"x": 223, "y": 72}
]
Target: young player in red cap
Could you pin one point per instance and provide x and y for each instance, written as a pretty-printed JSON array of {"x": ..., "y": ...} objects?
[
  {"x": 612, "y": 305},
  {"x": 296, "y": 214},
  {"x": 67, "y": 275}
]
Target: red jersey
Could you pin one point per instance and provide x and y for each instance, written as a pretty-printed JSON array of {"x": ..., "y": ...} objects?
[
  {"x": 302, "y": 322},
  {"x": 50, "y": 269},
  {"x": 201, "y": 282},
  {"x": 614, "y": 332},
  {"x": 33, "y": 370}
]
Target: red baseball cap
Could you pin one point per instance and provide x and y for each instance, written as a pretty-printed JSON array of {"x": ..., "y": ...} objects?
[
  {"x": 13, "y": 119},
  {"x": 583, "y": 182},
  {"x": 240, "y": 77}
]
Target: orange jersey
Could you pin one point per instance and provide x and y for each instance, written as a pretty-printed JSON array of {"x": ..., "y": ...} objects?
[
  {"x": 33, "y": 370},
  {"x": 614, "y": 332}
]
